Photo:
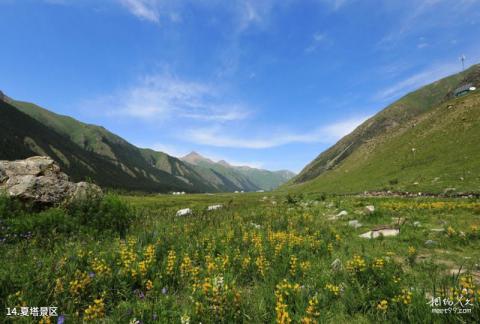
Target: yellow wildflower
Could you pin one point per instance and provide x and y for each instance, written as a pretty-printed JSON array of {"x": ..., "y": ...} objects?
[
  {"x": 382, "y": 305},
  {"x": 95, "y": 311}
]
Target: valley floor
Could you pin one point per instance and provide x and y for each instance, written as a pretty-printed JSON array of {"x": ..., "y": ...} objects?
[{"x": 261, "y": 258}]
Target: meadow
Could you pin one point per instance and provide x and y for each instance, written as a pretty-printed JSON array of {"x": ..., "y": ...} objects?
[{"x": 262, "y": 258}]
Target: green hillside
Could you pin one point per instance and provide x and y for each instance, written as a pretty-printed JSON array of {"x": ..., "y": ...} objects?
[
  {"x": 22, "y": 136},
  {"x": 113, "y": 162},
  {"x": 265, "y": 179},
  {"x": 426, "y": 141},
  {"x": 99, "y": 140},
  {"x": 236, "y": 178}
]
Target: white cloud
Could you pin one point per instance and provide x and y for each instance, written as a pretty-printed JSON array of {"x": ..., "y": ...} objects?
[
  {"x": 246, "y": 12},
  {"x": 425, "y": 15},
  {"x": 164, "y": 97},
  {"x": 219, "y": 137},
  {"x": 143, "y": 9},
  {"x": 317, "y": 39},
  {"x": 336, "y": 4},
  {"x": 172, "y": 150},
  {"x": 417, "y": 80}
]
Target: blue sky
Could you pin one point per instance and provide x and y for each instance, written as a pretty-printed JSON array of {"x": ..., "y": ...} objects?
[{"x": 258, "y": 82}]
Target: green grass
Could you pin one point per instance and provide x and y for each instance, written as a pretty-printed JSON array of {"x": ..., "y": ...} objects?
[
  {"x": 22, "y": 136},
  {"x": 260, "y": 259},
  {"x": 378, "y": 155},
  {"x": 445, "y": 155}
]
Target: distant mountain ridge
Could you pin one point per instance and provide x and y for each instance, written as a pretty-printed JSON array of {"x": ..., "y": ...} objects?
[
  {"x": 243, "y": 177},
  {"x": 426, "y": 140},
  {"x": 92, "y": 152}
]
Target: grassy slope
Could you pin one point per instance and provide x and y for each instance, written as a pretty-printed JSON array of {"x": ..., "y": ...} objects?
[
  {"x": 235, "y": 178},
  {"x": 201, "y": 177},
  {"x": 99, "y": 140},
  {"x": 387, "y": 121},
  {"x": 228, "y": 176},
  {"x": 264, "y": 179},
  {"x": 446, "y": 142},
  {"x": 23, "y": 136},
  {"x": 375, "y": 155}
]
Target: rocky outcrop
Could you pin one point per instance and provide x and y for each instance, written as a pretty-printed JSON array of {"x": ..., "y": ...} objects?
[{"x": 39, "y": 180}]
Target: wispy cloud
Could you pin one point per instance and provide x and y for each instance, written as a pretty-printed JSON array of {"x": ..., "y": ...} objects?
[
  {"x": 143, "y": 9},
  {"x": 425, "y": 14},
  {"x": 327, "y": 134},
  {"x": 246, "y": 12},
  {"x": 417, "y": 80},
  {"x": 317, "y": 39},
  {"x": 165, "y": 97},
  {"x": 172, "y": 150}
]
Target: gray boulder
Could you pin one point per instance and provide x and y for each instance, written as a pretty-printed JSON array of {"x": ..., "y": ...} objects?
[{"x": 39, "y": 180}]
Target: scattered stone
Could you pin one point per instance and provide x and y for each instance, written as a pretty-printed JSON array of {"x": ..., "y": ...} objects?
[
  {"x": 382, "y": 232},
  {"x": 354, "y": 223},
  {"x": 215, "y": 207},
  {"x": 342, "y": 213},
  {"x": 369, "y": 209},
  {"x": 417, "y": 224},
  {"x": 456, "y": 271},
  {"x": 449, "y": 191},
  {"x": 430, "y": 242},
  {"x": 85, "y": 190},
  {"x": 39, "y": 180},
  {"x": 255, "y": 225},
  {"x": 336, "y": 265},
  {"x": 184, "y": 212}
]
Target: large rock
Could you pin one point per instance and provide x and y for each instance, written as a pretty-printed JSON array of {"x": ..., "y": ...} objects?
[{"x": 39, "y": 180}]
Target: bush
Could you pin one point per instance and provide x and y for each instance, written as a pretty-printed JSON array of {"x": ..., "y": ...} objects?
[
  {"x": 109, "y": 213},
  {"x": 292, "y": 199},
  {"x": 8, "y": 207},
  {"x": 42, "y": 224}
]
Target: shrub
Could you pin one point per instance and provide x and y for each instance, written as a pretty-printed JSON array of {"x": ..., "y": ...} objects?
[
  {"x": 109, "y": 213},
  {"x": 42, "y": 224},
  {"x": 393, "y": 182},
  {"x": 9, "y": 207},
  {"x": 292, "y": 199}
]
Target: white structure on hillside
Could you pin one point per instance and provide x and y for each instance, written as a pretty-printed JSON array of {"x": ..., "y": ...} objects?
[{"x": 463, "y": 90}]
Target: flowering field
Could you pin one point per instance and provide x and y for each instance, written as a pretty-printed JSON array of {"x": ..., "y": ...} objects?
[{"x": 257, "y": 259}]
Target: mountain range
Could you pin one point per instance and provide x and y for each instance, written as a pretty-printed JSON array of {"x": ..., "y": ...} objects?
[
  {"x": 426, "y": 141},
  {"x": 87, "y": 151},
  {"x": 250, "y": 179}
]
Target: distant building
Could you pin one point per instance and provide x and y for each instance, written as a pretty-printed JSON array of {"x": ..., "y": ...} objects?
[{"x": 463, "y": 90}]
